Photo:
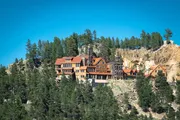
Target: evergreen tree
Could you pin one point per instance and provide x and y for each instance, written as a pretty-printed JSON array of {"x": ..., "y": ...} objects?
[
  {"x": 94, "y": 35},
  {"x": 178, "y": 92},
  {"x": 71, "y": 47},
  {"x": 144, "y": 90},
  {"x": 168, "y": 35},
  {"x": 106, "y": 107},
  {"x": 156, "y": 40},
  {"x": 178, "y": 114},
  {"x": 117, "y": 43},
  {"x": 143, "y": 39},
  {"x": 163, "y": 88},
  {"x": 170, "y": 113},
  {"x": 148, "y": 41},
  {"x": 113, "y": 42},
  {"x": 28, "y": 49},
  {"x": 40, "y": 47}
]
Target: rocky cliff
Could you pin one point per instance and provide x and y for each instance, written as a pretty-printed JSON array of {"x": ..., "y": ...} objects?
[{"x": 167, "y": 55}]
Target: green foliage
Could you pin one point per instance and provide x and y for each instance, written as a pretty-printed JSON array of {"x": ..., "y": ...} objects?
[
  {"x": 144, "y": 90},
  {"x": 49, "y": 51},
  {"x": 163, "y": 88},
  {"x": 156, "y": 40},
  {"x": 178, "y": 114},
  {"x": 2, "y": 71},
  {"x": 70, "y": 99},
  {"x": 163, "y": 94},
  {"x": 170, "y": 113},
  {"x": 178, "y": 92},
  {"x": 168, "y": 35}
]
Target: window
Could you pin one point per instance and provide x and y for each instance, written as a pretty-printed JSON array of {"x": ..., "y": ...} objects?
[
  {"x": 77, "y": 70},
  {"x": 77, "y": 65},
  {"x": 67, "y": 65},
  {"x": 82, "y": 70},
  {"x": 82, "y": 76}
]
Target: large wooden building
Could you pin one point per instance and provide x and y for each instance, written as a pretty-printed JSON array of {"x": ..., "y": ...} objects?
[
  {"x": 79, "y": 68},
  {"x": 84, "y": 67}
]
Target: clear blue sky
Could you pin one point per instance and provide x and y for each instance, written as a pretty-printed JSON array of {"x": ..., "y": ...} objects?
[{"x": 43, "y": 19}]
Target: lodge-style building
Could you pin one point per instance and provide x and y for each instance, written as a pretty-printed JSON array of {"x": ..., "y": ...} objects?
[{"x": 83, "y": 67}]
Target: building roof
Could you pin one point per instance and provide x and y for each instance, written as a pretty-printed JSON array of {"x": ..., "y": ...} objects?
[
  {"x": 76, "y": 59},
  {"x": 96, "y": 60},
  {"x": 59, "y": 61},
  {"x": 127, "y": 70},
  {"x": 155, "y": 67}
]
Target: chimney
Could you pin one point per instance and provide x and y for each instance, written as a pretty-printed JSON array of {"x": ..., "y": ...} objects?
[{"x": 90, "y": 55}]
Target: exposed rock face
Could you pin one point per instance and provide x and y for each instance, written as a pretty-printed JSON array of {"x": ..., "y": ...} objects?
[
  {"x": 167, "y": 55},
  {"x": 95, "y": 46}
]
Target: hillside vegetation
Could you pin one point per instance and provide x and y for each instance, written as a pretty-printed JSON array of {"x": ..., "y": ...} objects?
[{"x": 28, "y": 89}]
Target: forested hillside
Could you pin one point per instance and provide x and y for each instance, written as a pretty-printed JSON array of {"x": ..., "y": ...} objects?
[
  {"x": 49, "y": 51},
  {"x": 29, "y": 91},
  {"x": 35, "y": 95}
]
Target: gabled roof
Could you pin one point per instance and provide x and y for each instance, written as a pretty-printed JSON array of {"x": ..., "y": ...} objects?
[
  {"x": 76, "y": 59},
  {"x": 153, "y": 68},
  {"x": 96, "y": 60},
  {"x": 59, "y": 61}
]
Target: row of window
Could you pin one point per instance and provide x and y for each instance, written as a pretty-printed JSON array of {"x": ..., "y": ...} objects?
[
  {"x": 67, "y": 65},
  {"x": 78, "y": 70}
]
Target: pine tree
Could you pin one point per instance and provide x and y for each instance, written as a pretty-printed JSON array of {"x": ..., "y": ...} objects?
[
  {"x": 164, "y": 90},
  {"x": 40, "y": 47},
  {"x": 117, "y": 43},
  {"x": 94, "y": 35},
  {"x": 178, "y": 114},
  {"x": 168, "y": 35},
  {"x": 170, "y": 113},
  {"x": 28, "y": 49},
  {"x": 71, "y": 47},
  {"x": 178, "y": 92},
  {"x": 144, "y": 90},
  {"x": 143, "y": 39}
]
